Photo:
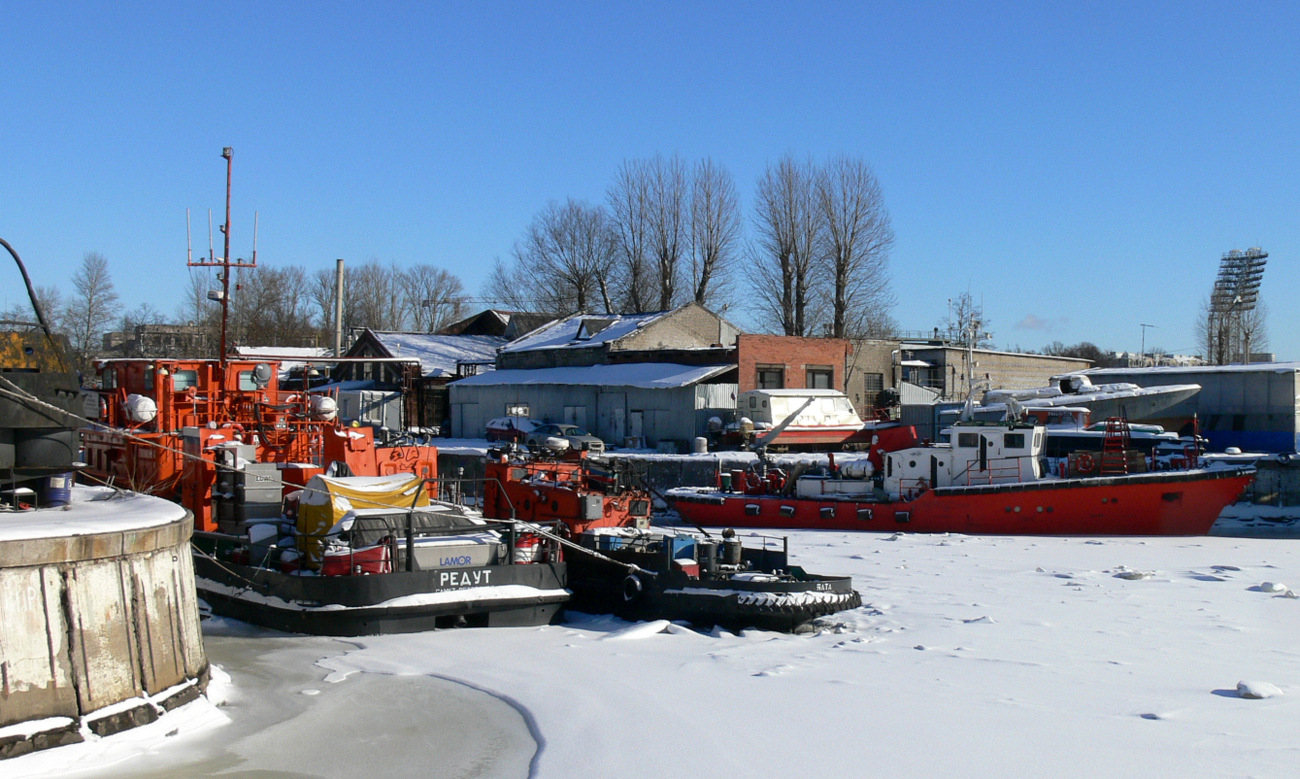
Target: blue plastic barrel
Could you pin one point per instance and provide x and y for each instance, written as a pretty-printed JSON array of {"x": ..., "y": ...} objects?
[{"x": 57, "y": 489}]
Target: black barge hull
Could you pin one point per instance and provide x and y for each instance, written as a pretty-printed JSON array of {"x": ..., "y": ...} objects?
[{"x": 399, "y": 602}]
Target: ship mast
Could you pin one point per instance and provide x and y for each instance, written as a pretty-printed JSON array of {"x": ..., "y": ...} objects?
[{"x": 223, "y": 262}]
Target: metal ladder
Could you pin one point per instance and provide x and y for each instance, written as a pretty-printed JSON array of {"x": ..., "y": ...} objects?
[{"x": 1114, "y": 448}]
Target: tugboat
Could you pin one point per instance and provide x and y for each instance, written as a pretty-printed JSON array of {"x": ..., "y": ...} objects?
[
  {"x": 387, "y": 561},
  {"x": 618, "y": 564},
  {"x": 684, "y": 576},
  {"x": 989, "y": 480}
]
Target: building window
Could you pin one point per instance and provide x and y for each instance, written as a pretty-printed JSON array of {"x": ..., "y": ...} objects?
[
  {"x": 516, "y": 409},
  {"x": 820, "y": 377},
  {"x": 872, "y": 384},
  {"x": 771, "y": 377}
]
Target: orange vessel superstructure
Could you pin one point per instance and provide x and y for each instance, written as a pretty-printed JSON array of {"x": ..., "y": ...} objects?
[{"x": 166, "y": 426}]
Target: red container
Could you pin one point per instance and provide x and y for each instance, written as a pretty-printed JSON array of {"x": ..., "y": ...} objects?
[{"x": 370, "y": 560}]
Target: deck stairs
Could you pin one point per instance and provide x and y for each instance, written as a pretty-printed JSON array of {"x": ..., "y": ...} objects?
[{"x": 1114, "y": 448}]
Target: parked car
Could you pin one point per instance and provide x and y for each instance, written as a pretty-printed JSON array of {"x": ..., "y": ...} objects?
[
  {"x": 512, "y": 429},
  {"x": 549, "y": 436}
]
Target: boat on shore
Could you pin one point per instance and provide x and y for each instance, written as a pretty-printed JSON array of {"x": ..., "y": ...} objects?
[
  {"x": 990, "y": 479},
  {"x": 1101, "y": 401},
  {"x": 795, "y": 420}
]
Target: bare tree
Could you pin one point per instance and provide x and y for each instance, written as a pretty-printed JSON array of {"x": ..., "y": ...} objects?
[
  {"x": 1227, "y": 336},
  {"x": 320, "y": 291},
  {"x": 629, "y": 207},
  {"x": 91, "y": 309},
  {"x": 508, "y": 286},
  {"x": 431, "y": 297},
  {"x": 50, "y": 299},
  {"x": 667, "y": 223},
  {"x": 789, "y": 228},
  {"x": 567, "y": 256},
  {"x": 143, "y": 314},
  {"x": 274, "y": 308},
  {"x": 195, "y": 307},
  {"x": 965, "y": 321},
  {"x": 1253, "y": 326},
  {"x": 714, "y": 230},
  {"x": 371, "y": 297},
  {"x": 858, "y": 237}
]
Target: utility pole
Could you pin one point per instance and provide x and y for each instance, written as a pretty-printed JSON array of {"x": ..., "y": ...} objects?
[{"x": 1144, "y": 340}]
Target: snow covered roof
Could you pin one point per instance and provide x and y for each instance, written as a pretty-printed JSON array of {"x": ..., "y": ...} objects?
[
  {"x": 581, "y": 331},
  {"x": 1256, "y": 367},
  {"x": 300, "y": 352},
  {"x": 646, "y": 375},
  {"x": 439, "y": 354},
  {"x": 298, "y": 356},
  {"x": 915, "y": 364}
]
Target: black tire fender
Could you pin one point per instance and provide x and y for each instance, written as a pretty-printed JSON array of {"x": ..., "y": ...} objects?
[{"x": 633, "y": 589}]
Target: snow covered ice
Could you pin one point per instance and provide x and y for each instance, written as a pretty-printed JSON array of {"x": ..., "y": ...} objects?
[{"x": 971, "y": 656}]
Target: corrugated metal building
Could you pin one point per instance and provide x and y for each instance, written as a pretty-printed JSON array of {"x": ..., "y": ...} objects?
[
  {"x": 1253, "y": 407},
  {"x": 651, "y": 377},
  {"x": 655, "y": 402}
]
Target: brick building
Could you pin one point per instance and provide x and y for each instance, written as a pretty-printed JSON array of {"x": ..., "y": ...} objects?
[{"x": 791, "y": 362}]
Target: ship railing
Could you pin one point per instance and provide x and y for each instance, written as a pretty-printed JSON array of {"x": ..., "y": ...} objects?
[{"x": 997, "y": 470}]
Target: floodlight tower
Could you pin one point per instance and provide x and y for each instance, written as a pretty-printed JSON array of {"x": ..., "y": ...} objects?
[{"x": 1236, "y": 291}]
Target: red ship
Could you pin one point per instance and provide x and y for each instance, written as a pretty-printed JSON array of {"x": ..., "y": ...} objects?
[
  {"x": 990, "y": 479},
  {"x": 175, "y": 428},
  {"x": 571, "y": 489}
]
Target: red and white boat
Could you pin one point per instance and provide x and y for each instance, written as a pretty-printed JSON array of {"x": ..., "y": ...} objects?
[
  {"x": 816, "y": 419},
  {"x": 989, "y": 480}
]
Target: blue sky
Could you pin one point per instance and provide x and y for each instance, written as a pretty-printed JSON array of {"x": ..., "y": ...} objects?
[{"x": 1079, "y": 168}]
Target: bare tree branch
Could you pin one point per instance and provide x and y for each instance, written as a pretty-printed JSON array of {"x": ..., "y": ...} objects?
[
  {"x": 858, "y": 237},
  {"x": 91, "y": 309},
  {"x": 789, "y": 228},
  {"x": 714, "y": 230}
]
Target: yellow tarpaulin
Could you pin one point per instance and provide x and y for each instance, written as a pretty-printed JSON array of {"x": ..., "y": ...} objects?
[{"x": 326, "y": 499}]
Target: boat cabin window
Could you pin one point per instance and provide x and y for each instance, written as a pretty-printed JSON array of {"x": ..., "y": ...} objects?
[
  {"x": 246, "y": 382},
  {"x": 1014, "y": 441},
  {"x": 968, "y": 440},
  {"x": 108, "y": 379},
  {"x": 148, "y": 379},
  {"x": 183, "y": 380}
]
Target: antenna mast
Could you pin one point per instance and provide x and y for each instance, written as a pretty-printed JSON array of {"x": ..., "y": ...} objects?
[{"x": 223, "y": 261}]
